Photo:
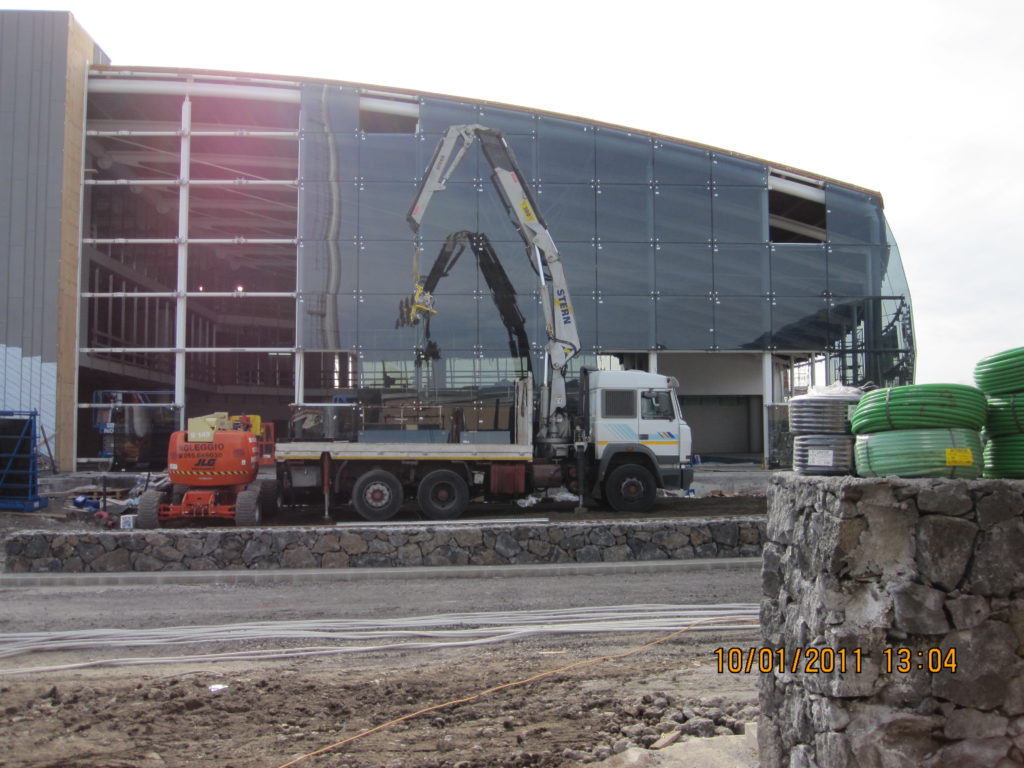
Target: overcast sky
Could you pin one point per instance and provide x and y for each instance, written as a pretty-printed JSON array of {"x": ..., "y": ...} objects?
[{"x": 920, "y": 100}]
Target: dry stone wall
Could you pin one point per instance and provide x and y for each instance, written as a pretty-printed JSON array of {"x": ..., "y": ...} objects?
[
  {"x": 381, "y": 546},
  {"x": 893, "y": 580}
]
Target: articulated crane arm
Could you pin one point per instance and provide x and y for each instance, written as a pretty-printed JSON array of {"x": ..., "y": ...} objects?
[{"x": 559, "y": 318}]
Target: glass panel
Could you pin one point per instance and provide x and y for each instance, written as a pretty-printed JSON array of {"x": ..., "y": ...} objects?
[
  {"x": 328, "y": 267},
  {"x": 243, "y": 157},
  {"x": 742, "y": 323},
  {"x": 383, "y": 207},
  {"x": 625, "y": 323},
  {"x": 452, "y": 210},
  {"x": 799, "y": 270},
  {"x": 240, "y": 211},
  {"x": 682, "y": 214},
  {"x": 122, "y": 211},
  {"x": 566, "y": 151},
  {"x": 130, "y": 322},
  {"x": 623, "y": 157},
  {"x": 734, "y": 172},
  {"x": 683, "y": 269},
  {"x": 389, "y": 157},
  {"x": 387, "y": 267},
  {"x": 625, "y": 213},
  {"x": 152, "y": 268},
  {"x": 377, "y": 315},
  {"x": 326, "y": 372},
  {"x": 252, "y": 374},
  {"x": 579, "y": 261},
  {"x": 328, "y": 147},
  {"x": 437, "y": 115},
  {"x": 329, "y": 156},
  {"x": 684, "y": 323},
  {"x": 625, "y": 270},
  {"x": 512, "y": 257},
  {"x": 509, "y": 121},
  {"x": 329, "y": 211},
  {"x": 586, "y": 310},
  {"x": 854, "y": 270},
  {"x": 469, "y": 169},
  {"x": 800, "y": 323},
  {"x": 894, "y": 283},
  {"x": 328, "y": 320},
  {"x": 679, "y": 164},
  {"x": 494, "y": 337},
  {"x": 256, "y": 268},
  {"x": 740, "y": 215},
  {"x": 741, "y": 270},
  {"x": 569, "y": 210},
  {"x": 853, "y": 217},
  {"x": 240, "y": 321}
]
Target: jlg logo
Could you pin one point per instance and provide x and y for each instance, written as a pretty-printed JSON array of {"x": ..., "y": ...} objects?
[{"x": 206, "y": 462}]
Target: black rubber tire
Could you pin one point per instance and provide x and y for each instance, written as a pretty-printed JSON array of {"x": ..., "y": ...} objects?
[
  {"x": 377, "y": 495},
  {"x": 268, "y": 499},
  {"x": 147, "y": 514},
  {"x": 630, "y": 488},
  {"x": 442, "y": 495},
  {"x": 247, "y": 508},
  {"x": 178, "y": 493}
]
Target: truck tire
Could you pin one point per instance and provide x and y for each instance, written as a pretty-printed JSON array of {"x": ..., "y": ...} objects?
[
  {"x": 178, "y": 493},
  {"x": 148, "y": 511},
  {"x": 377, "y": 495},
  {"x": 630, "y": 488},
  {"x": 247, "y": 508},
  {"x": 268, "y": 499},
  {"x": 442, "y": 495}
]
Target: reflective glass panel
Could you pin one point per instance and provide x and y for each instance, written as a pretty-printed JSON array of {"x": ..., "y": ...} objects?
[
  {"x": 683, "y": 269},
  {"x": 736, "y": 172},
  {"x": 329, "y": 156},
  {"x": 625, "y": 269},
  {"x": 742, "y": 270},
  {"x": 625, "y": 213},
  {"x": 383, "y": 207},
  {"x": 625, "y": 323},
  {"x": 623, "y": 157},
  {"x": 853, "y": 217},
  {"x": 579, "y": 261},
  {"x": 569, "y": 210},
  {"x": 327, "y": 320},
  {"x": 854, "y": 270},
  {"x": 742, "y": 323},
  {"x": 685, "y": 322},
  {"x": 739, "y": 214},
  {"x": 679, "y": 164},
  {"x": 800, "y": 323},
  {"x": 387, "y": 267},
  {"x": 799, "y": 269},
  {"x": 508, "y": 121},
  {"x": 682, "y": 214},
  {"x": 328, "y": 210},
  {"x": 566, "y": 151},
  {"x": 436, "y": 115},
  {"x": 389, "y": 157},
  {"x": 451, "y": 210}
]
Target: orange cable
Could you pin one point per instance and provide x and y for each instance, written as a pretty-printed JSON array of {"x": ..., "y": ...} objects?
[{"x": 497, "y": 688}]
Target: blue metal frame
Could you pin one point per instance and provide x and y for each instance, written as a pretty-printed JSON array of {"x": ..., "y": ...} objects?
[{"x": 19, "y": 466}]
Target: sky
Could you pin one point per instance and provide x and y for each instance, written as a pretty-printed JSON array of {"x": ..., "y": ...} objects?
[{"x": 921, "y": 100}]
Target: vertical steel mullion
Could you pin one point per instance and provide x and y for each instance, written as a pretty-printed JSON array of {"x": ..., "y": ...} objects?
[{"x": 180, "y": 327}]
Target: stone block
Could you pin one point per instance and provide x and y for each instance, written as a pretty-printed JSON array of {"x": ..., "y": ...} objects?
[
  {"x": 986, "y": 663},
  {"x": 919, "y": 610},
  {"x": 974, "y": 724},
  {"x": 969, "y": 753},
  {"x": 990, "y": 572},
  {"x": 946, "y": 497},
  {"x": 967, "y": 611},
  {"x": 1002, "y": 504},
  {"x": 944, "y": 547}
]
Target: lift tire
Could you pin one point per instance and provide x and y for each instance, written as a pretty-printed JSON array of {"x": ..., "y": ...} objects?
[
  {"x": 442, "y": 495},
  {"x": 630, "y": 488},
  {"x": 148, "y": 511},
  {"x": 377, "y": 495},
  {"x": 247, "y": 508},
  {"x": 178, "y": 494},
  {"x": 268, "y": 499}
]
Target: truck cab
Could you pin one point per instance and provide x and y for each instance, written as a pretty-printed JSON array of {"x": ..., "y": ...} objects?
[{"x": 639, "y": 438}]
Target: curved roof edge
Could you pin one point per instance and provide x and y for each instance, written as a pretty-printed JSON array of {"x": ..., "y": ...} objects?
[{"x": 270, "y": 80}]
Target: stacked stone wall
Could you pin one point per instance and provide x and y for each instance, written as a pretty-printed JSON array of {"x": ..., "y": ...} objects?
[
  {"x": 382, "y": 546},
  {"x": 897, "y": 581}
]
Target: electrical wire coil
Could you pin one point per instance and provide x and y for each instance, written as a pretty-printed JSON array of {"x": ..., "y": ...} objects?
[
  {"x": 823, "y": 454},
  {"x": 1004, "y": 457},
  {"x": 920, "y": 406},
  {"x": 953, "y": 453},
  {"x": 1001, "y": 373},
  {"x": 821, "y": 415}
]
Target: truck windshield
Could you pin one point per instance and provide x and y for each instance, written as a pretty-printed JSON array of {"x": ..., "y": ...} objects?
[{"x": 657, "y": 405}]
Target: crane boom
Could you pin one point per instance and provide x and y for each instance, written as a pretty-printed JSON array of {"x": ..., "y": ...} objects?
[{"x": 563, "y": 340}]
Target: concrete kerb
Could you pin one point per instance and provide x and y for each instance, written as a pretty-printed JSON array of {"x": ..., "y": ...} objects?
[{"x": 317, "y": 575}]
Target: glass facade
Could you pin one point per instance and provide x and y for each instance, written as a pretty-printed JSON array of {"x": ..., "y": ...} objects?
[{"x": 666, "y": 247}]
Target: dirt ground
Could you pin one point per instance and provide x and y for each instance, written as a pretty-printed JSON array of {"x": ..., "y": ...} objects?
[{"x": 267, "y": 715}]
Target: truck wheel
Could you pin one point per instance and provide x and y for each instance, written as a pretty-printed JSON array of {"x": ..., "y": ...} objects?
[
  {"x": 442, "y": 495},
  {"x": 377, "y": 495},
  {"x": 630, "y": 488},
  {"x": 178, "y": 493},
  {"x": 247, "y": 508},
  {"x": 268, "y": 499},
  {"x": 148, "y": 511}
]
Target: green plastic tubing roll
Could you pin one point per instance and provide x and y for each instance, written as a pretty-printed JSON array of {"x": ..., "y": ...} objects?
[
  {"x": 1004, "y": 457},
  {"x": 952, "y": 452},
  {"x": 1005, "y": 415},
  {"x": 1001, "y": 373},
  {"x": 920, "y": 406}
]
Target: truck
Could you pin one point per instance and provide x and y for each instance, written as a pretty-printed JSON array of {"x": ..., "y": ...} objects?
[{"x": 624, "y": 439}]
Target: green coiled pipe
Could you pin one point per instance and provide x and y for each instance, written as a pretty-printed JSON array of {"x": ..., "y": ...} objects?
[
  {"x": 954, "y": 452},
  {"x": 1001, "y": 373},
  {"x": 920, "y": 406},
  {"x": 1004, "y": 457},
  {"x": 1005, "y": 415}
]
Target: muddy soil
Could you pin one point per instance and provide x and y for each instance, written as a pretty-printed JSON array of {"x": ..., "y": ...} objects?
[{"x": 233, "y": 715}]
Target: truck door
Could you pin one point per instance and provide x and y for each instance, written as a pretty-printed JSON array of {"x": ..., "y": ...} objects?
[{"x": 659, "y": 431}]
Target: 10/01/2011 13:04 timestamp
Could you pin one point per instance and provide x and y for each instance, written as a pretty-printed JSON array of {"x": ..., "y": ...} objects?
[{"x": 815, "y": 660}]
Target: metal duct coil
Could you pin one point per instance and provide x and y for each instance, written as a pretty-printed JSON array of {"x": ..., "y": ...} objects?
[
  {"x": 823, "y": 454},
  {"x": 821, "y": 414},
  {"x": 954, "y": 452}
]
